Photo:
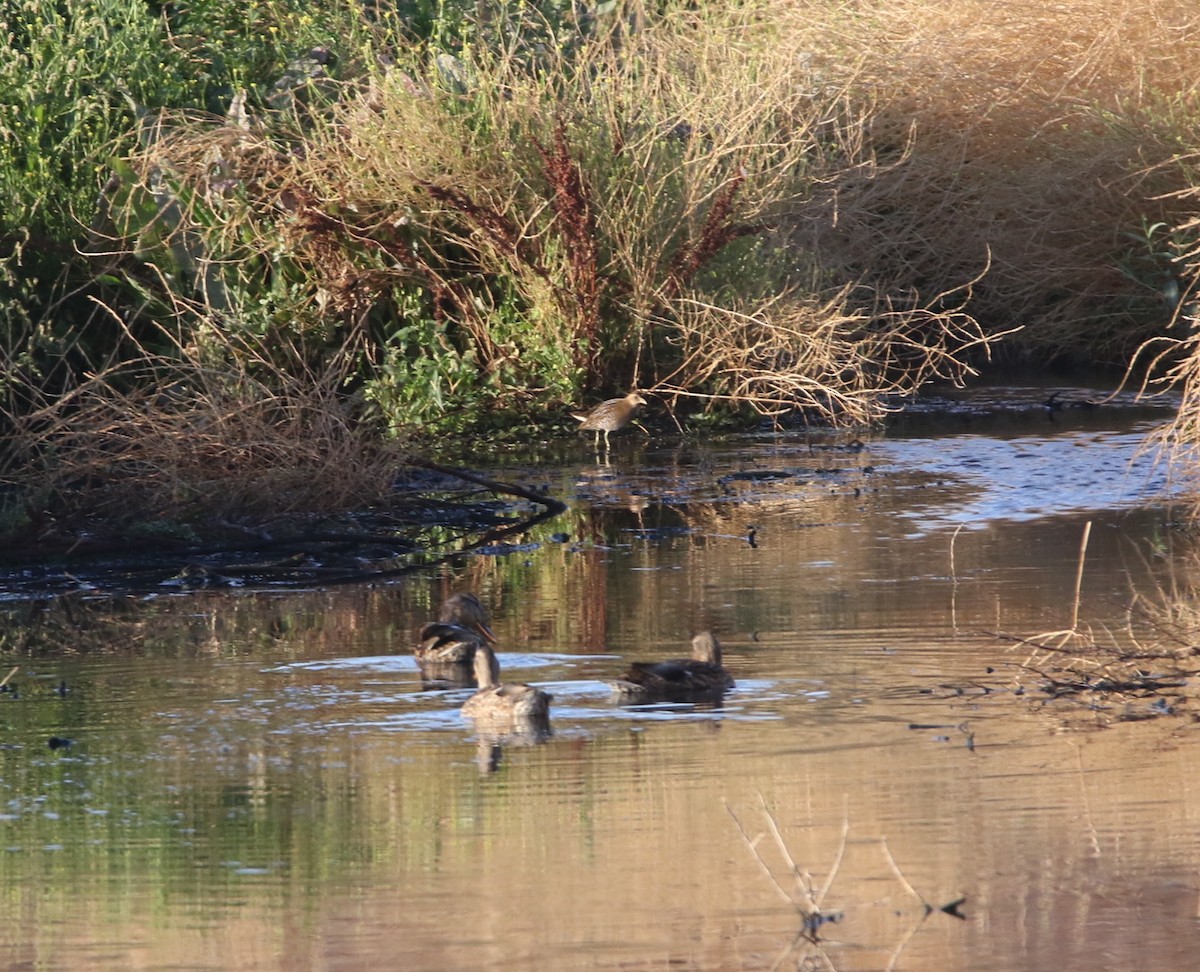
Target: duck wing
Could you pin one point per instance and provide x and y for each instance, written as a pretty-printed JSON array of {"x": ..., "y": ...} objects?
[
  {"x": 678, "y": 679},
  {"x": 446, "y": 642},
  {"x": 675, "y": 670}
]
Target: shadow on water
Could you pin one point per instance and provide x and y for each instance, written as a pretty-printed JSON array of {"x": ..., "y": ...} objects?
[{"x": 915, "y": 768}]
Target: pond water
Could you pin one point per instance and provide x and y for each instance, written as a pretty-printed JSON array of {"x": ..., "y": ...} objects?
[{"x": 260, "y": 780}]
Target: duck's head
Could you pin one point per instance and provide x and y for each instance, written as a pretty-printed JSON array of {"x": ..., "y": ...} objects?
[
  {"x": 467, "y": 611},
  {"x": 706, "y": 648}
]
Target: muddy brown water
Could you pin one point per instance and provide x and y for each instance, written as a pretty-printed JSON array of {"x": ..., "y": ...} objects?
[{"x": 259, "y": 780}]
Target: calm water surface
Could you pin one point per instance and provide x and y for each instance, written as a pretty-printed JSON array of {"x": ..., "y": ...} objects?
[{"x": 261, "y": 781}]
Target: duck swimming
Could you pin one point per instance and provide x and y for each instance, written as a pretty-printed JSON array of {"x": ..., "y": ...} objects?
[
  {"x": 446, "y": 648},
  {"x": 460, "y": 628},
  {"x": 505, "y": 707},
  {"x": 700, "y": 677}
]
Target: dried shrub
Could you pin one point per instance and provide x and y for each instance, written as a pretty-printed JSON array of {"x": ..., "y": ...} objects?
[
  {"x": 1171, "y": 362},
  {"x": 506, "y": 234},
  {"x": 1145, "y": 671},
  {"x": 567, "y": 222},
  {"x": 827, "y": 358},
  {"x": 219, "y": 428},
  {"x": 1026, "y": 131}
]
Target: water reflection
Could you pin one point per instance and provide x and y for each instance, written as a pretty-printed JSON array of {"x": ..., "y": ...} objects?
[{"x": 263, "y": 780}]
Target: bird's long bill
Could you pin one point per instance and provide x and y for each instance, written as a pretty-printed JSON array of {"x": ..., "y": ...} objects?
[{"x": 486, "y": 631}]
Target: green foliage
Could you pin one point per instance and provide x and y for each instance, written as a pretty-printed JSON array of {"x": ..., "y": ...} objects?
[
  {"x": 532, "y": 354},
  {"x": 70, "y": 91},
  {"x": 430, "y": 378},
  {"x": 60, "y": 109},
  {"x": 1153, "y": 259},
  {"x": 61, "y": 103},
  {"x": 424, "y": 379},
  {"x": 230, "y": 46},
  {"x": 75, "y": 76}
]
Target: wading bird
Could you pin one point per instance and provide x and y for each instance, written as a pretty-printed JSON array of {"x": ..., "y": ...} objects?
[{"x": 610, "y": 416}]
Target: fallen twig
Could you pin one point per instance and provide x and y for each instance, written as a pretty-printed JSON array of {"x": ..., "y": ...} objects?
[
  {"x": 551, "y": 504},
  {"x": 808, "y": 904},
  {"x": 950, "y": 908}
]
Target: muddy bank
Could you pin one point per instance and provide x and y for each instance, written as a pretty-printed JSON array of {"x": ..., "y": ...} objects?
[{"x": 443, "y": 512}]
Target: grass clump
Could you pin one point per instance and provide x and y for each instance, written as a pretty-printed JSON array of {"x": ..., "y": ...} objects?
[
  {"x": 453, "y": 217},
  {"x": 519, "y": 227},
  {"x": 219, "y": 429},
  {"x": 1173, "y": 359},
  {"x": 1033, "y": 138}
]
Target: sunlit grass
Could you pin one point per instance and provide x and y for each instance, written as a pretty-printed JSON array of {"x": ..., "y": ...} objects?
[
  {"x": 744, "y": 206},
  {"x": 1034, "y": 139}
]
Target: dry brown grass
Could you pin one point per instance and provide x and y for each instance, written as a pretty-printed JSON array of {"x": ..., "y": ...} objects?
[
  {"x": 639, "y": 200},
  {"x": 1144, "y": 669},
  {"x": 824, "y": 357},
  {"x": 1172, "y": 361},
  {"x": 1032, "y": 132},
  {"x": 214, "y": 428}
]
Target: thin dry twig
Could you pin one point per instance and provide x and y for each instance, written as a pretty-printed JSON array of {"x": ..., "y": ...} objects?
[
  {"x": 802, "y": 879},
  {"x": 837, "y": 861},
  {"x": 806, "y": 902},
  {"x": 752, "y": 846},
  {"x": 1083, "y": 545},
  {"x": 887, "y": 853}
]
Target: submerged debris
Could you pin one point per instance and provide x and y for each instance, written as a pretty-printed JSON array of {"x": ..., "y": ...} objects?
[
  {"x": 423, "y": 524},
  {"x": 1110, "y": 683}
]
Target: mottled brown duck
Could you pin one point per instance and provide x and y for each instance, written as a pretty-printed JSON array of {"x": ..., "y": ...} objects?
[
  {"x": 700, "y": 677},
  {"x": 446, "y": 647},
  {"x": 505, "y": 707},
  {"x": 610, "y": 416}
]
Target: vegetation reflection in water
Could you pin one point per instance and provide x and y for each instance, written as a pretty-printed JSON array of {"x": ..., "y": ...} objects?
[{"x": 261, "y": 780}]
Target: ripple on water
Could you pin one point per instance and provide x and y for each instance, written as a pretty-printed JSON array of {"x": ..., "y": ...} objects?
[
  {"x": 1026, "y": 478},
  {"x": 408, "y": 663}
]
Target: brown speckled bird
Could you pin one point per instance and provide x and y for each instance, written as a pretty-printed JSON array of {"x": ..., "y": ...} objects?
[
  {"x": 679, "y": 679},
  {"x": 610, "y": 416},
  {"x": 505, "y": 707},
  {"x": 462, "y": 626}
]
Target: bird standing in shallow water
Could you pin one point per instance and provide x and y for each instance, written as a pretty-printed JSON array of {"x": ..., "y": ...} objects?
[
  {"x": 700, "y": 677},
  {"x": 610, "y": 416},
  {"x": 500, "y": 707},
  {"x": 446, "y": 647}
]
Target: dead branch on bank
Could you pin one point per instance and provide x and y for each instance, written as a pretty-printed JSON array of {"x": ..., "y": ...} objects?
[{"x": 824, "y": 357}]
